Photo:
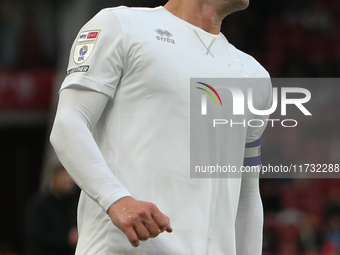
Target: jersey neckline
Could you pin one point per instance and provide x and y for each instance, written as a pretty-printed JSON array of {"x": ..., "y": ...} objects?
[{"x": 189, "y": 24}]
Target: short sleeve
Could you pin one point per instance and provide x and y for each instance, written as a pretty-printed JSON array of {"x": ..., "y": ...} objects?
[
  {"x": 96, "y": 58},
  {"x": 254, "y": 132}
]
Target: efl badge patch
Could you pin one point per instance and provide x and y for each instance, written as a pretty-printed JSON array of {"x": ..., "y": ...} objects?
[{"x": 85, "y": 45}]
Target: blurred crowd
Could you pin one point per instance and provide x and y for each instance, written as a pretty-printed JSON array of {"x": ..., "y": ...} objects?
[
  {"x": 50, "y": 218},
  {"x": 302, "y": 217},
  {"x": 29, "y": 34},
  {"x": 290, "y": 39}
]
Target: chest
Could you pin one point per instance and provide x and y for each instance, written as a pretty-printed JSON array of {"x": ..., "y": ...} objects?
[{"x": 161, "y": 58}]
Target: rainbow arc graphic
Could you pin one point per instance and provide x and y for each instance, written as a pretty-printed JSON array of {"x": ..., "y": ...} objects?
[{"x": 209, "y": 93}]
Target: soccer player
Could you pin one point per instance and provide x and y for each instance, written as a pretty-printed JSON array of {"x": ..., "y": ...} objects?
[{"x": 122, "y": 132}]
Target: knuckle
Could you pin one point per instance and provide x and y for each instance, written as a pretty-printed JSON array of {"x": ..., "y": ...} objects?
[
  {"x": 163, "y": 226},
  {"x": 126, "y": 224},
  {"x": 152, "y": 206},
  {"x": 134, "y": 217},
  {"x": 142, "y": 212},
  {"x": 165, "y": 220}
]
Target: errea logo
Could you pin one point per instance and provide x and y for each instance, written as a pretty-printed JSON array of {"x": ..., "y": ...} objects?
[{"x": 164, "y": 36}]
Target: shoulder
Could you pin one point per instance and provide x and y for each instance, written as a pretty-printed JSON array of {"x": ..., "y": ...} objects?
[
  {"x": 126, "y": 15},
  {"x": 121, "y": 10},
  {"x": 122, "y": 19},
  {"x": 255, "y": 69}
]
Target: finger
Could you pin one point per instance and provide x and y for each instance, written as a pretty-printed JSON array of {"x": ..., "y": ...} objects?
[
  {"x": 161, "y": 220},
  {"x": 169, "y": 228},
  {"x": 141, "y": 231},
  {"x": 152, "y": 227},
  {"x": 132, "y": 236}
]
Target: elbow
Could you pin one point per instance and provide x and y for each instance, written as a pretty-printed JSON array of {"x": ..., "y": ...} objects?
[
  {"x": 53, "y": 136},
  {"x": 67, "y": 130},
  {"x": 58, "y": 133}
]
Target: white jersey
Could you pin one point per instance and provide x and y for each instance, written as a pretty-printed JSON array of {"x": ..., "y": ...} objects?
[{"x": 143, "y": 59}]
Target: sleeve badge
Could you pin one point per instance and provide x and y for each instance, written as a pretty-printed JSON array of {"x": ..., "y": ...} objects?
[{"x": 84, "y": 45}]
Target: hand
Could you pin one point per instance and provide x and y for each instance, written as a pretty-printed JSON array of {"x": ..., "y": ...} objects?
[
  {"x": 138, "y": 220},
  {"x": 73, "y": 236}
]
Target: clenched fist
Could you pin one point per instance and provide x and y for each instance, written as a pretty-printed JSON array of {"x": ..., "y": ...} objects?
[{"x": 138, "y": 220}]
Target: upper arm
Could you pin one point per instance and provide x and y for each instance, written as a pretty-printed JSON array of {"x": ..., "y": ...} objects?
[
  {"x": 97, "y": 56},
  {"x": 252, "y": 156}
]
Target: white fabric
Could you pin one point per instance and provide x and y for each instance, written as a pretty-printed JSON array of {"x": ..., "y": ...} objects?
[
  {"x": 249, "y": 220},
  {"x": 78, "y": 112},
  {"x": 142, "y": 135}
]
